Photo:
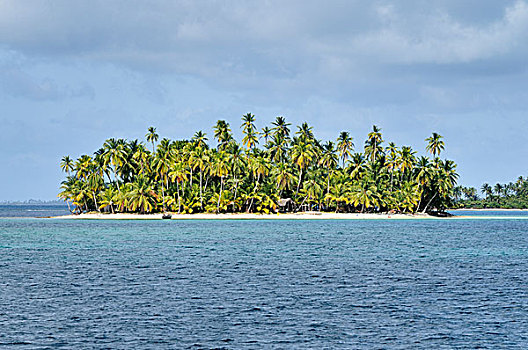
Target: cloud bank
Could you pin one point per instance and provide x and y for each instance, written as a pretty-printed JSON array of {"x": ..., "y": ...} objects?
[{"x": 75, "y": 71}]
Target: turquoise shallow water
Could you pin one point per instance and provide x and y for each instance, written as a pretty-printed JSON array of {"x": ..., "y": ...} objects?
[{"x": 426, "y": 284}]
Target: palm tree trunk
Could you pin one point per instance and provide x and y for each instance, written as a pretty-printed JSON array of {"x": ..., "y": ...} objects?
[
  {"x": 253, "y": 198},
  {"x": 178, "y": 191},
  {"x": 116, "y": 183},
  {"x": 166, "y": 184},
  {"x": 425, "y": 209},
  {"x": 234, "y": 198},
  {"x": 162, "y": 195},
  {"x": 299, "y": 183},
  {"x": 328, "y": 184},
  {"x": 201, "y": 195},
  {"x": 220, "y": 194},
  {"x": 95, "y": 200},
  {"x": 419, "y": 203}
]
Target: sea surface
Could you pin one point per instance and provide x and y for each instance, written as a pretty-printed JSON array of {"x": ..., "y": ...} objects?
[
  {"x": 509, "y": 213},
  {"x": 33, "y": 210},
  {"x": 250, "y": 284}
]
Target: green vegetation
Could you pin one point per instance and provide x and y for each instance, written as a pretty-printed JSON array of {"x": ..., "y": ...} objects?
[
  {"x": 188, "y": 176},
  {"x": 513, "y": 195}
]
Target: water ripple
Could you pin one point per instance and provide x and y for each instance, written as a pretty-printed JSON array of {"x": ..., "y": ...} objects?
[{"x": 268, "y": 284}]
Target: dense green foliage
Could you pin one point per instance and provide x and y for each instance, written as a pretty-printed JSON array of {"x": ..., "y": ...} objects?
[
  {"x": 187, "y": 176},
  {"x": 513, "y": 195}
]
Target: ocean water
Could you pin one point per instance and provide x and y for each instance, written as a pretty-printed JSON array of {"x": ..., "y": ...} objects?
[
  {"x": 33, "y": 210},
  {"x": 491, "y": 213},
  {"x": 244, "y": 284}
]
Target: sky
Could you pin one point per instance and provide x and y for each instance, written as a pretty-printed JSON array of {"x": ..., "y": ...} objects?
[{"x": 74, "y": 73}]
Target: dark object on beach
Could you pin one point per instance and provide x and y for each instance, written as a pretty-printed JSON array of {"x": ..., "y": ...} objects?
[
  {"x": 166, "y": 216},
  {"x": 440, "y": 214}
]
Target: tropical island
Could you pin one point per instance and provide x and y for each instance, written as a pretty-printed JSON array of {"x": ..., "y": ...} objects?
[
  {"x": 271, "y": 170},
  {"x": 511, "y": 195}
]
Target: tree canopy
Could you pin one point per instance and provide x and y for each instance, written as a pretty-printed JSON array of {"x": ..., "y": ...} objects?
[
  {"x": 511, "y": 195},
  {"x": 189, "y": 176}
]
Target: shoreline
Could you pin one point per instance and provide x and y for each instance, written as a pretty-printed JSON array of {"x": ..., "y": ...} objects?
[
  {"x": 246, "y": 216},
  {"x": 486, "y": 209}
]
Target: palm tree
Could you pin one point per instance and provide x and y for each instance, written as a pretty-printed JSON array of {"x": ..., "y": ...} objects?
[
  {"x": 81, "y": 194},
  {"x": 68, "y": 190},
  {"x": 266, "y": 133},
  {"x": 498, "y": 189},
  {"x": 424, "y": 174},
  {"x": 372, "y": 145},
  {"x": 281, "y": 128},
  {"x": 406, "y": 159},
  {"x": 248, "y": 121},
  {"x": 152, "y": 136},
  {"x": 329, "y": 161},
  {"x": 200, "y": 139},
  {"x": 67, "y": 166},
  {"x": 250, "y": 134},
  {"x": 345, "y": 146},
  {"x": 250, "y": 138},
  {"x": 200, "y": 160},
  {"x": 222, "y": 133},
  {"x": 357, "y": 166},
  {"x": 236, "y": 160},
  {"x": 302, "y": 155},
  {"x": 114, "y": 154},
  {"x": 142, "y": 196},
  {"x": 443, "y": 183},
  {"x": 392, "y": 161},
  {"x": 312, "y": 191},
  {"x": 82, "y": 166},
  {"x": 364, "y": 194},
  {"x": 220, "y": 168},
  {"x": 339, "y": 193},
  {"x": 305, "y": 133},
  {"x": 142, "y": 157},
  {"x": 435, "y": 144},
  {"x": 178, "y": 173},
  {"x": 284, "y": 177},
  {"x": 95, "y": 183},
  {"x": 487, "y": 190},
  {"x": 278, "y": 148},
  {"x": 409, "y": 197},
  {"x": 107, "y": 199},
  {"x": 162, "y": 164},
  {"x": 259, "y": 167}
]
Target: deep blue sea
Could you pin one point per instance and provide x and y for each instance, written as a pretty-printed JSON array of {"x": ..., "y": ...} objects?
[{"x": 248, "y": 284}]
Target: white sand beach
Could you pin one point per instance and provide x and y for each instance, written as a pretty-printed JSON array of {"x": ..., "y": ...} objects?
[
  {"x": 246, "y": 216},
  {"x": 487, "y": 209}
]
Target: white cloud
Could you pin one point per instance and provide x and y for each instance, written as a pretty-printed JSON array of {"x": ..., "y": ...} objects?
[
  {"x": 237, "y": 42},
  {"x": 438, "y": 38}
]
